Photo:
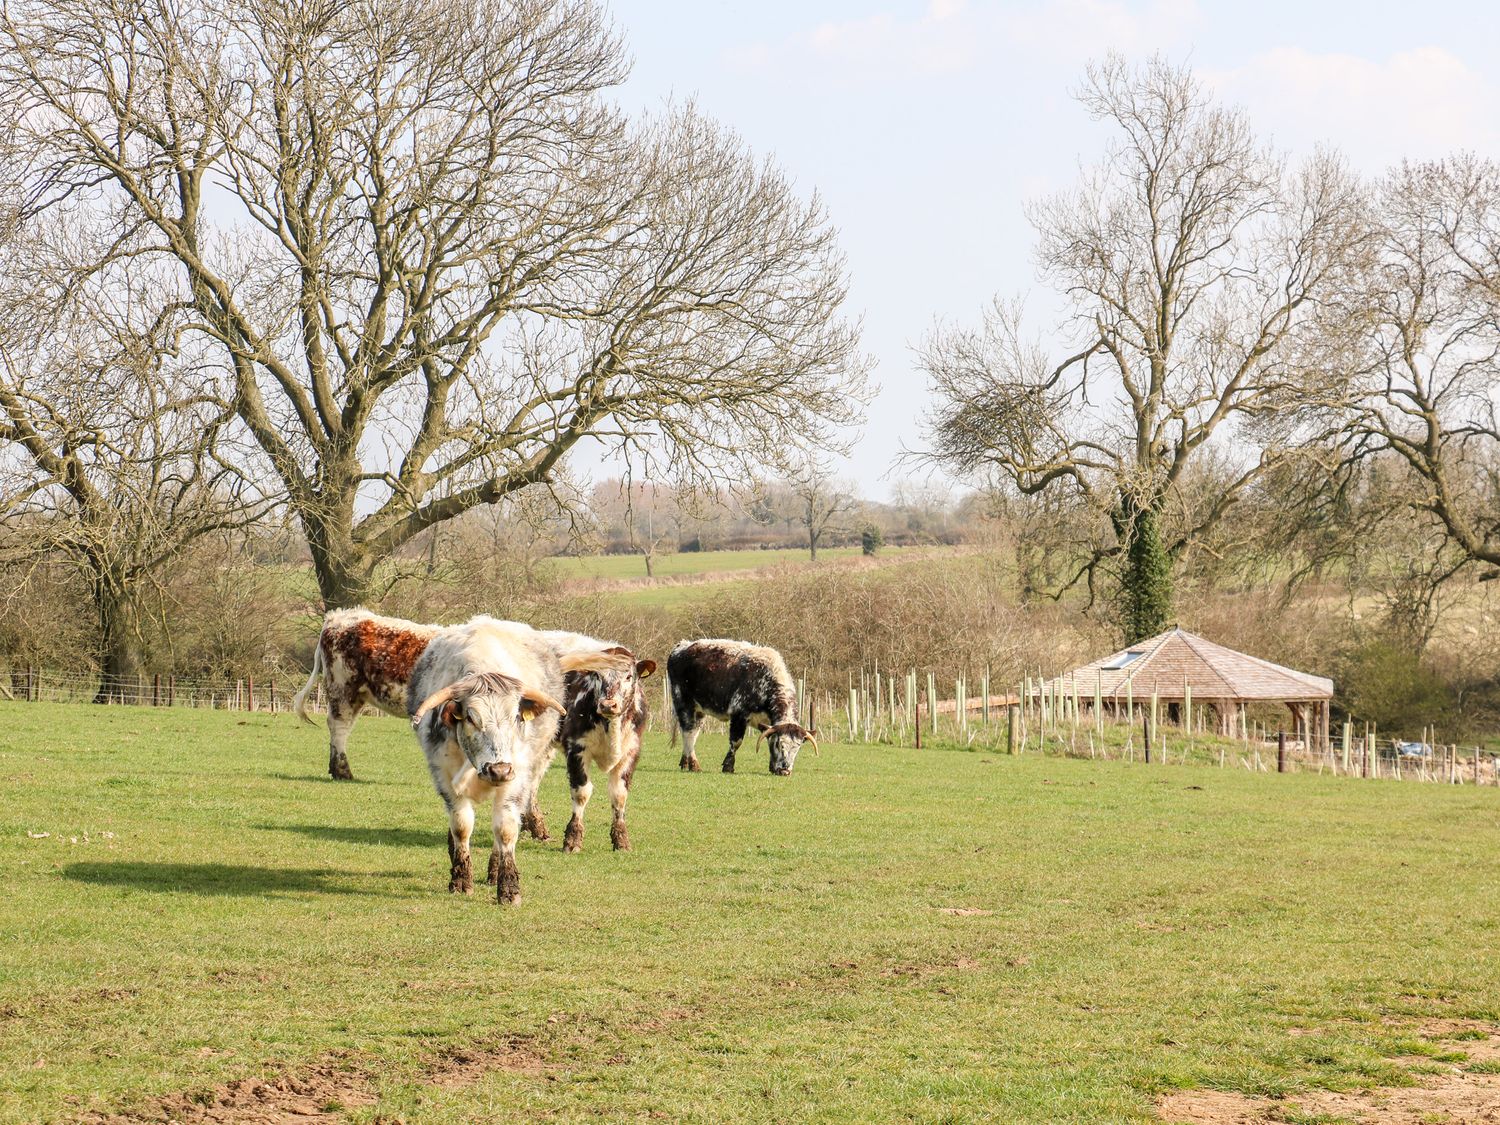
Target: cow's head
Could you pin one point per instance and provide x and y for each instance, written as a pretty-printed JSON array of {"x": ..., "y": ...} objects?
[
  {"x": 785, "y": 740},
  {"x": 488, "y": 714},
  {"x": 613, "y": 677}
]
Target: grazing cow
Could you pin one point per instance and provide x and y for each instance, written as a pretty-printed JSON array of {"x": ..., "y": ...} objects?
[
  {"x": 743, "y": 683},
  {"x": 364, "y": 658},
  {"x": 605, "y": 719},
  {"x": 486, "y": 721}
]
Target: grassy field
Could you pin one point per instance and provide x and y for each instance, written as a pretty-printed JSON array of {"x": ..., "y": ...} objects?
[
  {"x": 686, "y": 563},
  {"x": 887, "y": 934}
]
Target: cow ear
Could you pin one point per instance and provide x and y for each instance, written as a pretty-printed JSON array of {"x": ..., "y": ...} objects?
[
  {"x": 451, "y": 713},
  {"x": 645, "y": 668},
  {"x": 533, "y": 703}
]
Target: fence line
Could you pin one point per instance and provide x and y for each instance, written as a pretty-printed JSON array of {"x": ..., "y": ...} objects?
[{"x": 884, "y": 707}]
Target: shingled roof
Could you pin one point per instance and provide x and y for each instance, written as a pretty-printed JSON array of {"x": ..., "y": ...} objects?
[{"x": 1174, "y": 659}]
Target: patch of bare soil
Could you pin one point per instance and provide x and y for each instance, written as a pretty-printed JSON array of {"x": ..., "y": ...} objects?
[
  {"x": 316, "y": 1095},
  {"x": 464, "y": 1066},
  {"x": 1458, "y": 1096},
  {"x": 964, "y": 911},
  {"x": 321, "y": 1094}
]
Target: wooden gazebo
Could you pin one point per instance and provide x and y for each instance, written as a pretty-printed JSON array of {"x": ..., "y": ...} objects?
[{"x": 1178, "y": 666}]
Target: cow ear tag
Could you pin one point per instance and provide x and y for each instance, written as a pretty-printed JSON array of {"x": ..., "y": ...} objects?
[{"x": 645, "y": 668}]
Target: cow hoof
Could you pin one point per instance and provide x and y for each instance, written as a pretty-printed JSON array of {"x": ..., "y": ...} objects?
[
  {"x": 339, "y": 770},
  {"x": 728, "y": 765},
  {"x": 573, "y": 837},
  {"x": 619, "y": 838},
  {"x": 493, "y": 875},
  {"x": 461, "y": 886}
]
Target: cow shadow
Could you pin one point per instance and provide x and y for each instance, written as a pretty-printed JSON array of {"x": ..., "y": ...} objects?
[
  {"x": 226, "y": 879},
  {"x": 387, "y": 837},
  {"x": 323, "y": 779}
]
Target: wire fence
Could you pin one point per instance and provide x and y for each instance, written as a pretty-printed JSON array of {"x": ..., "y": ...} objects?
[{"x": 909, "y": 709}]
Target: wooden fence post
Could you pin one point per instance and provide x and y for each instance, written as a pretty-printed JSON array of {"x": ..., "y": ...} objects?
[
  {"x": 917, "y": 726},
  {"x": 271, "y": 689},
  {"x": 156, "y": 690},
  {"x": 1012, "y": 717},
  {"x": 1146, "y": 733},
  {"x": 171, "y": 689},
  {"x": 1281, "y": 751}
]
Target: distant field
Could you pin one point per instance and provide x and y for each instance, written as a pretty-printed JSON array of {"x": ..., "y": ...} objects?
[
  {"x": 686, "y": 562},
  {"x": 195, "y": 915}
]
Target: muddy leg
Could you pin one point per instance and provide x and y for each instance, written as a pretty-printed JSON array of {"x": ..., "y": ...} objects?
[
  {"x": 460, "y": 828},
  {"x": 533, "y": 821},
  {"x": 689, "y": 759},
  {"x": 494, "y": 872},
  {"x": 619, "y": 790},
  {"x": 507, "y": 820},
  {"x": 340, "y": 723},
  {"x": 578, "y": 782}
]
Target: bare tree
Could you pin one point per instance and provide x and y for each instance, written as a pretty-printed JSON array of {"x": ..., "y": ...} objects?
[
  {"x": 1196, "y": 268},
  {"x": 433, "y": 254},
  {"x": 1431, "y": 362},
  {"x": 823, "y": 501},
  {"x": 110, "y": 453}
]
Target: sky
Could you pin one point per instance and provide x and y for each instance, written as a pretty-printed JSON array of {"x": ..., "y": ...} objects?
[{"x": 926, "y": 126}]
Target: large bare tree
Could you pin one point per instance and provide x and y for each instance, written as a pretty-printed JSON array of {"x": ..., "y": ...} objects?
[
  {"x": 1426, "y": 386},
  {"x": 1195, "y": 267},
  {"x": 435, "y": 256}
]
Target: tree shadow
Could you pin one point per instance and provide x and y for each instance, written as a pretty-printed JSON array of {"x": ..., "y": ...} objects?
[
  {"x": 389, "y": 837},
  {"x": 226, "y": 878}
]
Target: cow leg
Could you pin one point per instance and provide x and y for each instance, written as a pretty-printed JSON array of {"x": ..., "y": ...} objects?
[
  {"x": 532, "y": 820},
  {"x": 507, "y": 823},
  {"x": 578, "y": 782},
  {"x": 619, "y": 792},
  {"x": 737, "y": 727},
  {"x": 460, "y": 828},
  {"x": 340, "y": 722},
  {"x": 689, "y": 724}
]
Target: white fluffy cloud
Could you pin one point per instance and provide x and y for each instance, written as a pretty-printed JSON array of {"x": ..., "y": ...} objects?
[{"x": 1420, "y": 103}]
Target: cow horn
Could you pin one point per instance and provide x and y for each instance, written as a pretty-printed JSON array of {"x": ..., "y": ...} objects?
[
  {"x": 760, "y": 735},
  {"x": 436, "y": 699},
  {"x": 811, "y": 738}
]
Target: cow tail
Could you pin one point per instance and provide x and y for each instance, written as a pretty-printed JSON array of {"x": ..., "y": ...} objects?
[
  {"x": 672, "y": 730},
  {"x": 299, "y": 701}
]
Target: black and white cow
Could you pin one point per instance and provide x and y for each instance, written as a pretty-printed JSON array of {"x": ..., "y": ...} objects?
[
  {"x": 486, "y": 720},
  {"x": 748, "y": 685},
  {"x": 604, "y": 721}
]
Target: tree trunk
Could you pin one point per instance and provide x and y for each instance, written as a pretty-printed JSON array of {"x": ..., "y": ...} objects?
[
  {"x": 343, "y": 571},
  {"x": 119, "y": 643},
  {"x": 1146, "y": 582},
  {"x": 812, "y": 544},
  {"x": 650, "y": 573}
]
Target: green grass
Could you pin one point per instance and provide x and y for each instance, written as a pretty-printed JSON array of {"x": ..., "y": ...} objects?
[{"x": 208, "y": 906}]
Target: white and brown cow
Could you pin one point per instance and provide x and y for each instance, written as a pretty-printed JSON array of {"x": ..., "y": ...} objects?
[
  {"x": 486, "y": 720},
  {"x": 748, "y": 685},
  {"x": 605, "y": 718},
  {"x": 363, "y": 658}
]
